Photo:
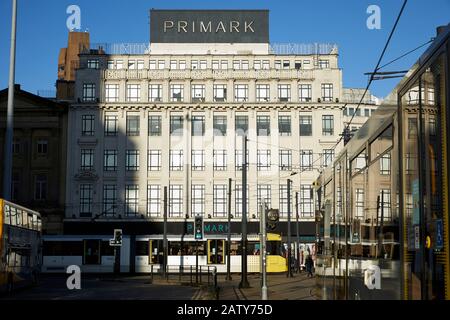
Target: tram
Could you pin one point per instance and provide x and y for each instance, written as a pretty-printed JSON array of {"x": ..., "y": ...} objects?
[
  {"x": 382, "y": 209},
  {"x": 142, "y": 254},
  {"x": 20, "y": 246}
]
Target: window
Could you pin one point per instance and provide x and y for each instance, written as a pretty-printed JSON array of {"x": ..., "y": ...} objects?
[
  {"x": 152, "y": 65},
  {"x": 412, "y": 128},
  {"x": 244, "y": 64},
  {"x": 112, "y": 93},
  {"x": 297, "y": 64},
  {"x": 87, "y": 159},
  {"x": 263, "y": 125},
  {"x": 432, "y": 125},
  {"x": 241, "y": 92},
  {"x": 238, "y": 197},
  {"x": 241, "y": 125},
  {"x": 328, "y": 125},
  {"x": 305, "y": 126},
  {"x": 306, "y": 159},
  {"x": 262, "y": 93},
  {"x": 173, "y": 64},
  {"x": 87, "y": 125},
  {"x": 40, "y": 187},
  {"x": 111, "y": 125},
  {"x": 385, "y": 164},
  {"x": 133, "y": 92},
  {"x": 285, "y": 160},
  {"x": 324, "y": 64},
  {"x": 154, "y": 125},
  {"x": 286, "y": 64},
  {"x": 176, "y": 92},
  {"x": 140, "y": 64},
  {"x": 153, "y": 200},
  {"x": 198, "y": 93},
  {"x": 224, "y": 64},
  {"x": 133, "y": 125},
  {"x": 220, "y": 92},
  {"x": 198, "y": 200},
  {"x": 385, "y": 204},
  {"x": 111, "y": 64},
  {"x": 239, "y": 159},
  {"x": 203, "y": 64},
  {"x": 42, "y": 147},
  {"x": 109, "y": 199},
  {"x": 327, "y": 91},
  {"x": 366, "y": 112},
  {"x": 93, "y": 64},
  {"x": 257, "y": 64},
  {"x": 306, "y": 201},
  {"x": 182, "y": 64},
  {"x": 236, "y": 64},
  {"x": 284, "y": 125},
  {"x": 305, "y": 92},
  {"x": 88, "y": 92},
  {"x": 176, "y": 125},
  {"x": 264, "y": 193},
  {"x": 359, "y": 203},
  {"x": 215, "y": 64},
  {"x": 132, "y": 64},
  {"x": 198, "y": 160},
  {"x": 132, "y": 160},
  {"x": 198, "y": 126},
  {"x": 175, "y": 200},
  {"x": 176, "y": 160},
  {"x": 266, "y": 64},
  {"x": 220, "y": 125},
  {"x": 131, "y": 199},
  {"x": 220, "y": 200},
  {"x": 154, "y": 160},
  {"x": 110, "y": 160},
  {"x": 263, "y": 160},
  {"x": 220, "y": 160},
  {"x": 119, "y": 64},
  {"x": 161, "y": 64},
  {"x": 283, "y": 200},
  {"x": 194, "y": 64},
  {"x": 15, "y": 186},
  {"x": 155, "y": 92},
  {"x": 327, "y": 158},
  {"x": 278, "y": 64},
  {"x": 284, "y": 92},
  {"x": 85, "y": 200}
]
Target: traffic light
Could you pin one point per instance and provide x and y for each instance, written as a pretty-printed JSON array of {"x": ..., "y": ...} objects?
[
  {"x": 273, "y": 215},
  {"x": 198, "y": 228},
  {"x": 118, "y": 236}
]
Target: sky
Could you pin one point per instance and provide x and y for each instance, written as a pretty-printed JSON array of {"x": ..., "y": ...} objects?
[{"x": 42, "y": 31}]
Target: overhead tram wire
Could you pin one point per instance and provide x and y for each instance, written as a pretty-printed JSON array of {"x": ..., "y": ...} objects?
[
  {"x": 405, "y": 54},
  {"x": 376, "y": 68}
]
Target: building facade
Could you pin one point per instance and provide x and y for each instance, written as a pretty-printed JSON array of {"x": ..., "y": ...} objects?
[
  {"x": 175, "y": 116},
  {"x": 39, "y": 155}
]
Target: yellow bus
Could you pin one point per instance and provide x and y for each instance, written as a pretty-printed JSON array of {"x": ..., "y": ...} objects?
[{"x": 20, "y": 245}]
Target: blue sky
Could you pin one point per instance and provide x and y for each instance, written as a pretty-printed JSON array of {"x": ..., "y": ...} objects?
[{"x": 42, "y": 31}]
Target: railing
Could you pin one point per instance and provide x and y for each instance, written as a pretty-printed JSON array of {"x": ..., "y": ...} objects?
[{"x": 203, "y": 275}]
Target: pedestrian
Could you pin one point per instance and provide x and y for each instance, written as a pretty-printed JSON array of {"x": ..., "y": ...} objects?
[{"x": 309, "y": 264}]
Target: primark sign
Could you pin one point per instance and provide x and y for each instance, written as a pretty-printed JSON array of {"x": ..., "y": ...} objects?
[{"x": 209, "y": 26}]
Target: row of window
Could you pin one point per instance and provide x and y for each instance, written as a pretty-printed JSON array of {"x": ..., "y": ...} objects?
[
  {"x": 139, "y": 64},
  {"x": 40, "y": 186},
  {"x": 176, "y": 160},
  {"x": 263, "y": 127},
  {"x": 198, "y": 197},
  {"x": 358, "y": 112},
  {"x": 198, "y": 92},
  {"x": 41, "y": 147}
]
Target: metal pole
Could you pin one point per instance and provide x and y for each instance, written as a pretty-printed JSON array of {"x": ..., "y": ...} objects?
[
  {"x": 289, "y": 273},
  {"x": 244, "y": 282},
  {"x": 380, "y": 232},
  {"x": 298, "y": 232},
  {"x": 196, "y": 261},
  {"x": 165, "y": 247},
  {"x": 263, "y": 250},
  {"x": 7, "y": 169},
  {"x": 229, "y": 233}
]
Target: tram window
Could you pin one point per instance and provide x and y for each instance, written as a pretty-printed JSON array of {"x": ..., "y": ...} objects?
[
  {"x": 189, "y": 248},
  {"x": 142, "y": 248},
  {"x": 62, "y": 248},
  {"x": 381, "y": 143},
  {"x": 157, "y": 251},
  {"x": 106, "y": 249},
  {"x": 235, "y": 248},
  {"x": 216, "y": 251},
  {"x": 359, "y": 162},
  {"x": 91, "y": 252}
]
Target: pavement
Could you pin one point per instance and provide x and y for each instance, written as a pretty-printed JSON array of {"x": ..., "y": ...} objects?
[{"x": 280, "y": 287}]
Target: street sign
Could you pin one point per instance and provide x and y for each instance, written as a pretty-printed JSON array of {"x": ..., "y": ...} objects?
[{"x": 117, "y": 240}]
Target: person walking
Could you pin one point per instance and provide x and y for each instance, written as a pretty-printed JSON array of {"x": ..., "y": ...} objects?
[{"x": 309, "y": 264}]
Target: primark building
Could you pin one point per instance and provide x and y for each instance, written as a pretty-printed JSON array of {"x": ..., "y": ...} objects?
[{"x": 156, "y": 133}]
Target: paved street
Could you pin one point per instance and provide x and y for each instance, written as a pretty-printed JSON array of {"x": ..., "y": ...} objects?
[
  {"x": 280, "y": 287},
  {"x": 103, "y": 288}
]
